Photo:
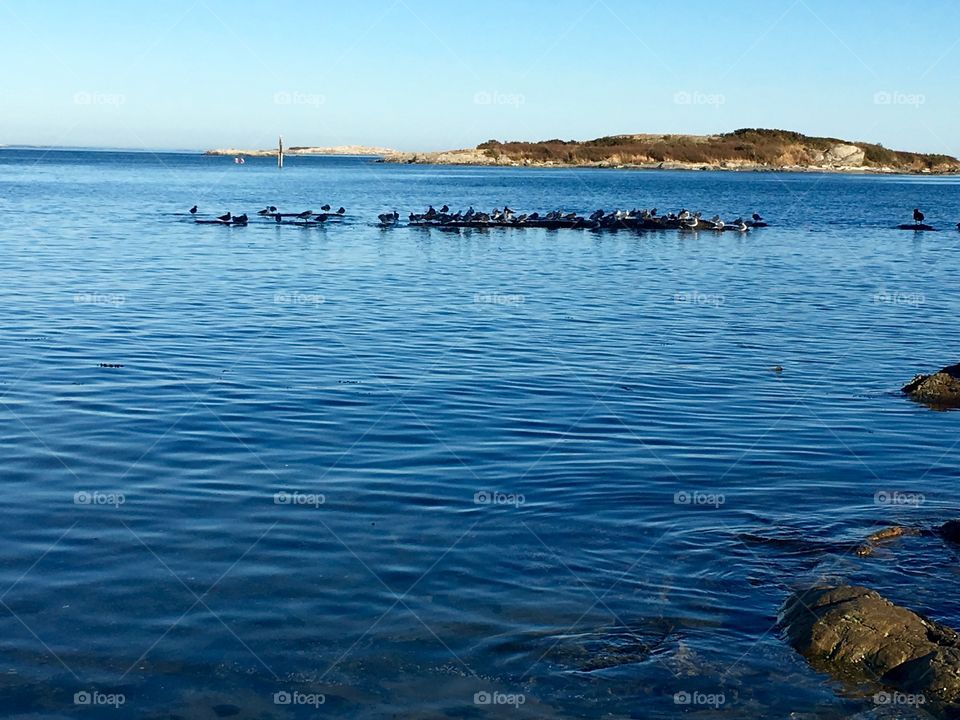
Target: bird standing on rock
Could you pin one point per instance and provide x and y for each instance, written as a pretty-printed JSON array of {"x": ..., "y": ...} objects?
[
  {"x": 193, "y": 210},
  {"x": 918, "y": 217}
]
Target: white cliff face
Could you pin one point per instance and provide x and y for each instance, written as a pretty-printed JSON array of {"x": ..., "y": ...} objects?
[{"x": 845, "y": 155}]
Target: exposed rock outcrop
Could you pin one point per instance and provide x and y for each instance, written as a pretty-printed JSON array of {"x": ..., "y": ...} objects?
[
  {"x": 854, "y": 633},
  {"x": 950, "y": 531},
  {"x": 845, "y": 155},
  {"x": 940, "y": 391}
]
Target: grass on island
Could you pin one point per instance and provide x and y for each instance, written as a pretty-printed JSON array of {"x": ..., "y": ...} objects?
[{"x": 773, "y": 148}]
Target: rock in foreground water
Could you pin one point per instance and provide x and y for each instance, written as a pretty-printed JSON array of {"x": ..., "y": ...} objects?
[
  {"x": 950, "y": 530},
  {"x": 854, "y": 633},
  {"x": 940, "y": 390}
]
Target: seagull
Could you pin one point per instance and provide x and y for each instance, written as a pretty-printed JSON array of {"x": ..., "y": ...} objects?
[
  {"x": 267, "y": 210},
  {"x": 193, "y": 210},
  {"x": 325, "y": 208},
  {"x": 918, "y": 217},
  {"x": 225, "y": 218}
]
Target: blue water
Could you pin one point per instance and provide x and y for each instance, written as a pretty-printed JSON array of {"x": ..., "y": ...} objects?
[{"x": 658, "y": 488}]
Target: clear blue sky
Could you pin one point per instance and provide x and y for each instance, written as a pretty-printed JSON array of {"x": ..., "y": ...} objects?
[{"x": 432, "y": 74}]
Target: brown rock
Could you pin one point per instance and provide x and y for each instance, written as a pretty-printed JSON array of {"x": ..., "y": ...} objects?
[
  {"x": 854, "y": 633},
  {"x": 940, "y": 391},
  {"x": 888, "y": 533}
]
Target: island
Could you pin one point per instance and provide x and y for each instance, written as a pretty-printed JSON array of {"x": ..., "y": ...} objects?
[
  {"x": 355, "y": 150},
  {"x": 746, "y": 149}
]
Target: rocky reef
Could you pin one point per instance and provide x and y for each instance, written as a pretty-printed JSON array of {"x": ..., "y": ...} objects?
[
  {"x": 940, "y": 391},
  {"x": 857, "y": 635}
]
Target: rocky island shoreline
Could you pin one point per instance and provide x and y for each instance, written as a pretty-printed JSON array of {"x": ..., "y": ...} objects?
[{"x": 747, "y": 149}]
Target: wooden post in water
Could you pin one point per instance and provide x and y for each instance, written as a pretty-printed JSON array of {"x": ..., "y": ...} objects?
[{"x": 280, "y": 152}]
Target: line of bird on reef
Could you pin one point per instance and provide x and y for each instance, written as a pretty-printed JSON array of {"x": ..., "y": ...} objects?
[
  {"x": 683, "y": 220},
  {"x": 557, "y": 219},
  {"x": 307, "y": 217}
]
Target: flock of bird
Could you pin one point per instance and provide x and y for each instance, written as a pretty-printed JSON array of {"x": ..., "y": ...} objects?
[
  {"x": 506, "y": 217},
  {"x": 599, "y": 220},
  {"x": 307, "y": 217}
]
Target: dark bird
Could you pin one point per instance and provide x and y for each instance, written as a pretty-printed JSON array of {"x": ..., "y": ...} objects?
[
  {"x": 267, "y": 210},
  {"x": 325, "y": 208},
  {"x": 240, "y": 219},
  {"x": 278, "y": 217},
  {"x": 193, "y": 210},
  {"x": 918, "y": 217},
  {"x": 341, "y": 211},
  {"x": 225, "y": 218},
  {"x": 445, "y": 209},
  {"x": 389, "y": 218},
  {"x": 305, "y": 214},
  {"x": 757, "y": 218}
]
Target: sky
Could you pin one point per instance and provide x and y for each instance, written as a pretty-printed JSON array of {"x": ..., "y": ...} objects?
[{"x": 443, "y": 74}]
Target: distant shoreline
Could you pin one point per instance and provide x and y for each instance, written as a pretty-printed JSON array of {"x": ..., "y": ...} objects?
[
  {"x": 340, "y": 150},
  {"x": 745, "y": 150},
  {"x": 425, "y": 159}
]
